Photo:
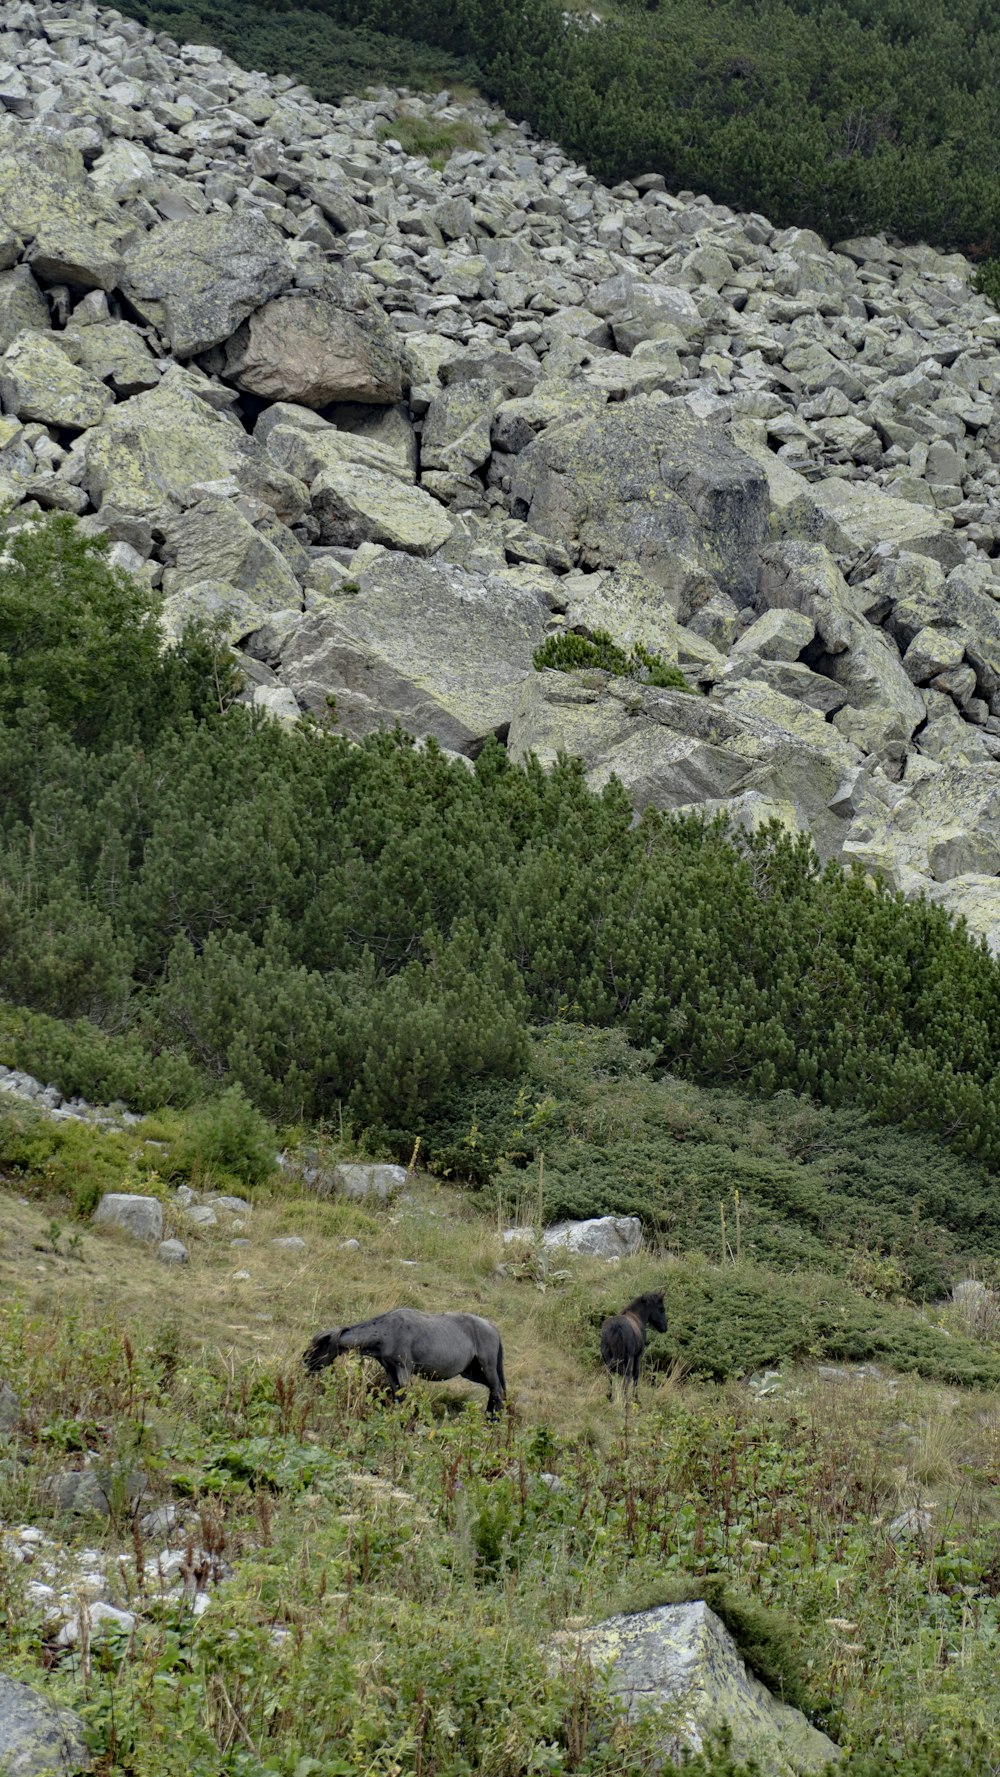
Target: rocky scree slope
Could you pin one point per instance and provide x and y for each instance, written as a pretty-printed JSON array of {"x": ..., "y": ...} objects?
[{"x": 391, "y": 425}]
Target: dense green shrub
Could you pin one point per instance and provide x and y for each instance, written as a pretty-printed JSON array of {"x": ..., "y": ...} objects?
[
  {"x": 838, "y": 115},
  {"x": 223, "y": 1135},
  {"x": 569, "y": 652},
  {"x": 738, "y": 1319}
]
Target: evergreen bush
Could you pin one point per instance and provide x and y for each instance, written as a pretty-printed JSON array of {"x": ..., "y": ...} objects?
[{"x": 569, "y": 652}]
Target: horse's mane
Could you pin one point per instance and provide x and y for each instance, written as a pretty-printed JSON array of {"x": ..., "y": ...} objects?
[{"x": 644, "y": 1304}]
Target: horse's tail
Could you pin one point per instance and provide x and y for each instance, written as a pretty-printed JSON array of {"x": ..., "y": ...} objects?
[{"x": 503, "y": 1379}]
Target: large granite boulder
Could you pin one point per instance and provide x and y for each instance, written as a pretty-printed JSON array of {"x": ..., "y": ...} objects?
[
  {"x": 195, "y": 281},
  {"x": 946, "y": 825},
  {"x": 149, "y": 453},
  {"x": 355, "y": 504},
  {"x": 599, "y": 1237},
  {"x": 142, "y": 1217},
  {"x": 316, "y": 347},
  {"x": 642, "y": 481},
  {"x": 213, "y": 540},
  {"x": 77, "y": 234},
  {"x": 439, "y": 649},
  {"x": 39, "y": 1739},
  {"x": 681, "y": 1659},
  {"x": 39, "y": 381},
  {"x": 634, "y": 611},
  {"x": 115, "y": 353},
  {"x": 857, "y": 518},
  {"x": 305, "y": 444},
  {"x": 804, "y": 578}
]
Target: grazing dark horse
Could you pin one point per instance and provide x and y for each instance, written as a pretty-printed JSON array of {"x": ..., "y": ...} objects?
[
  {"x": 623, "y": 1338},
  {"x": 408, "y": 1343}
]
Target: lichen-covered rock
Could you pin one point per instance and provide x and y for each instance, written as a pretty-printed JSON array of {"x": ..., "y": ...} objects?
[
  {"x": 22, "y": 305},
  {"x": 640, "y": 481},
  {"x": 304, "y": 444},
  {"x": 197, "y": 280},
  {"x": 227, "y": 611},
  {"x": 77, "y": 233},
  {"x": 456, "y": 435},
  {"x": 37, "y": 1738},
  {"x": 355, "y": 504},
  {"x": 441, "y": 650},
  {"x": 669, "y": 749},
  {"x": 39, "y": 381},
  {"x": 213, "y": 540},
  {"x": 115, "y": 353},
  {"x": 635, "y": 612},
  {"x": 947, "y": 825},
  {"x": 317, "y": 347},
  {"x": 857, "y": 518},
  {"x": 150, "y": 452},
  {"x": 681, "y": 1659}
]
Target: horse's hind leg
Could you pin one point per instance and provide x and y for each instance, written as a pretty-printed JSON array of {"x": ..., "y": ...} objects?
[
  {"x": 487, "y": 1377},
  {"x": 397, "y": 1380}
]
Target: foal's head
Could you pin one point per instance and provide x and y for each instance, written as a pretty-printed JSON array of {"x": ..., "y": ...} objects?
[{"x": 651, "y": 1310}]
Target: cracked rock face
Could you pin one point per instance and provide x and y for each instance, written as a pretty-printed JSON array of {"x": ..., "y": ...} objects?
[{"x": 391, "y": 425}]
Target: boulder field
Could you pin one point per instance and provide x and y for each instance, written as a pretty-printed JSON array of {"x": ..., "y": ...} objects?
[{"x": 391, "y": 424}]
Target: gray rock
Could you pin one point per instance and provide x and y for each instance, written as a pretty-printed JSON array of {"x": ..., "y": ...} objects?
[
  {"x": 362, "y": 1182},
  {"x": 38, "y": 1738},
  {"x": 441, "y": 650},
  {"x": 139, "y": 1216},
  {"x": 22, "y": 305},
  {"x": 912, "y": 1523},
  {"x": 172, "y": 1252},
  {"x": 318, "y": 347},
  {"x": 680, "y": 1658},
  {"x": 213, "y": 540},
  {"x": 148, "y": 453},
  {"x": 640, "y": 482},
  {"x": 91, "y": 1490},
  {"x": 201, "y": 1215},
  {"x": 600, "y": 1237},
  {"x": 776, "y": 635},
  {"x": 355, "y": 504},
  {"x": 39, "y": 381},
  {"x": 292, "y": 1243},
  {"x": 197, "y": 280}
]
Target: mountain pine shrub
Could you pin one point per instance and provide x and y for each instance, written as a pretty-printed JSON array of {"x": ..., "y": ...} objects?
[{"x": 569, "y": 652}]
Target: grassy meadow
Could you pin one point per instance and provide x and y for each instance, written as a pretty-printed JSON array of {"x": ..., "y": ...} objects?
[{"x": 397, "y": 1573}]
